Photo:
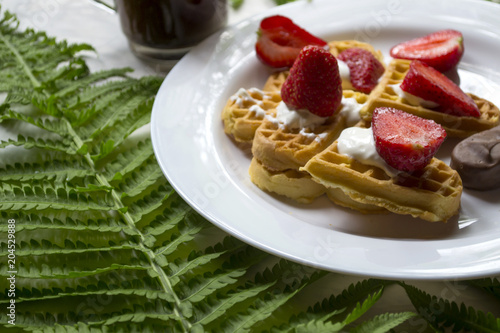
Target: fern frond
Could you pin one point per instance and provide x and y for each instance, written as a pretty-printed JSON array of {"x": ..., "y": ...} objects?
[
  {"x": 120, "y": 130},
  {"x": 139, "y": 180},
  {"x": 54, "y": 169},
  {"x": 64, "y": 145},
  {"x": 43, "y": 195},
  {"x": 50, "y": 125},
  {"x": 46, "y": 247},
  {"x": 185, "y": 235},
  {"x": 32, "y": 55},
  {"x": 91, "y": 287},
  {"x": 452, "y": 316},
  {"x": 91, "y": 95},
  {"x": 150, "y": 201},
  {"x": 48, "y": 271},
  {"x": 159, "y": 224},
  {"x": 361, "y": 308},
  {"x": 337, "y": 312},
  {"x": 39, "y": 222},
  {"x": 129, "y": 160},
  {"x": 88, "y": 81},
  {"x": 490, "y": 285},
  {"x": 121, "y": 107},
  {"x": 87, "y": 319},
  {"x": 383, "y": 322}
]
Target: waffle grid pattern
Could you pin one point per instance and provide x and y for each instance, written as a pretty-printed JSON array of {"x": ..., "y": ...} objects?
[
  {"x": 240, "y": 121},
  {"x": 432, "y": 194}
]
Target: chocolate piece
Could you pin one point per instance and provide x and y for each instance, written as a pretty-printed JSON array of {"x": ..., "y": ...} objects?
[{"x": 477, "y": 160}]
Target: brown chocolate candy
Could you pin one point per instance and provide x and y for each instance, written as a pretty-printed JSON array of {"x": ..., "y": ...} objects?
[{"x": 477, "y": 160}]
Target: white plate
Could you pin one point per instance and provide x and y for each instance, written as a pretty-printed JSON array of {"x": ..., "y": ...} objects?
[{"x": 210, "y": 172}]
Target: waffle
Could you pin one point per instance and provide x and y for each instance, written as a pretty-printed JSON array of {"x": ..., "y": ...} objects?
[
  {"x": 281, "y": 148},
  {"x": 384, "y": 95},
  {"x": 245, "y": 110},
  {"x": 338, "y": 196},
  {"x": 275, "y": 81},
  {"x": 293, "y": 184},
  {"x": 432, "y": 194}
]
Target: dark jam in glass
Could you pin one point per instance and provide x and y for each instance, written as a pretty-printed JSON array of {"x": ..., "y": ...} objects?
[{"x": 170, "y": 26}]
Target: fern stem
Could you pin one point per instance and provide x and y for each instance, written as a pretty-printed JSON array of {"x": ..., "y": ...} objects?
[
  {"x": 164, "y": 280},
  {"x": 20, "y": 59}
]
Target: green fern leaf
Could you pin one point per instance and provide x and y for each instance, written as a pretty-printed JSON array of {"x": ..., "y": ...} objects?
[
  {"x": 490, "y": 285},
  {"x": 138, "y": 181},
  {"x": 45, "y": 196},
  {"x": 453, "y": 316},
  {"x": 383, "y": 323},
  {"x": 54, "y": 169},
  {"x": 129, "y": 160},
  {"x": 150, "y": 201},
  {"x": 89, "y": 80},
  {"x": 361, "y": 308},
  {"x": 64, "y": 146},
  {"x": 90, "y": 287},
  {"x": 38, "y": 222},
  {"x": 50, "y": 125}
]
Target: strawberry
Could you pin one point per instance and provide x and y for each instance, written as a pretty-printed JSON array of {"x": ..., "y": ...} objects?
[
  {"x": 364, "y": 68},
  {"x": 406, "y": 142},
  {"x": 280, "y": 41},
  {"x": 427, "y": 83},
  {"x": 314, "y": 83},
  {"x": 441, "y": 49}
]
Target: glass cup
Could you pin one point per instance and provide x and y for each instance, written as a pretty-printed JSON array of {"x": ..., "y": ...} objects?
[{"x": 165, "y": 30}]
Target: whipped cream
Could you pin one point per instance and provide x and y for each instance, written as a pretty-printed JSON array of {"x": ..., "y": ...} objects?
[
  {"x": 344, "y": 72},
  {"x": 295, "y": 119},
  {"x": 350, "y": 110},
  {"x": 412, "y": 99},
  {"x": 358, "y": 143},
  {"x": 242, "y": 96}
]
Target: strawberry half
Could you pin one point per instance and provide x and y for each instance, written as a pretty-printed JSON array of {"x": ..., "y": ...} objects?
[
  {"x": 314, "y": 83},
  {"x": 427, "y": 83},
  {"x": 442, "y": 49},
  {"x": 364, "y": 68},
  {"x": 406, "y": 142},
  {"x": 280, "y": 41}
]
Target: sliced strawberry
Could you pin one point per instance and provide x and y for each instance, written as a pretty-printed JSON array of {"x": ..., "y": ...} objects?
[
  {"x": 406, "y": 142},
  {"x": 280, "y": 41},
  {"x": 314, "y": 83},
  {"x": 364, "y": 68},
  {"x": 442, "y": 49},
  {"x": 425, "y": 82}
]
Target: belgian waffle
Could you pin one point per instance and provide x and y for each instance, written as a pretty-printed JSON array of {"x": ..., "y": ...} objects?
[
  {"x": 384, "y": 95},
  {"x": 245, "y": 110},
  {"x": 432, "y": 194},
  {"x": 294, "y": 184},
  {"x": 280, "y": 148}
]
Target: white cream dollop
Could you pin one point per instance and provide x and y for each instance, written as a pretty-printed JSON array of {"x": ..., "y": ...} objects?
[
  {"x": 350, "y": 110},
  {"x": 297, "y": 118},
  {"x": 242, "y": 95},
  {"x": 344, "y": 72},
  {"x": 412, "y": 99},
  {"x": 358, "y": 143}
]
